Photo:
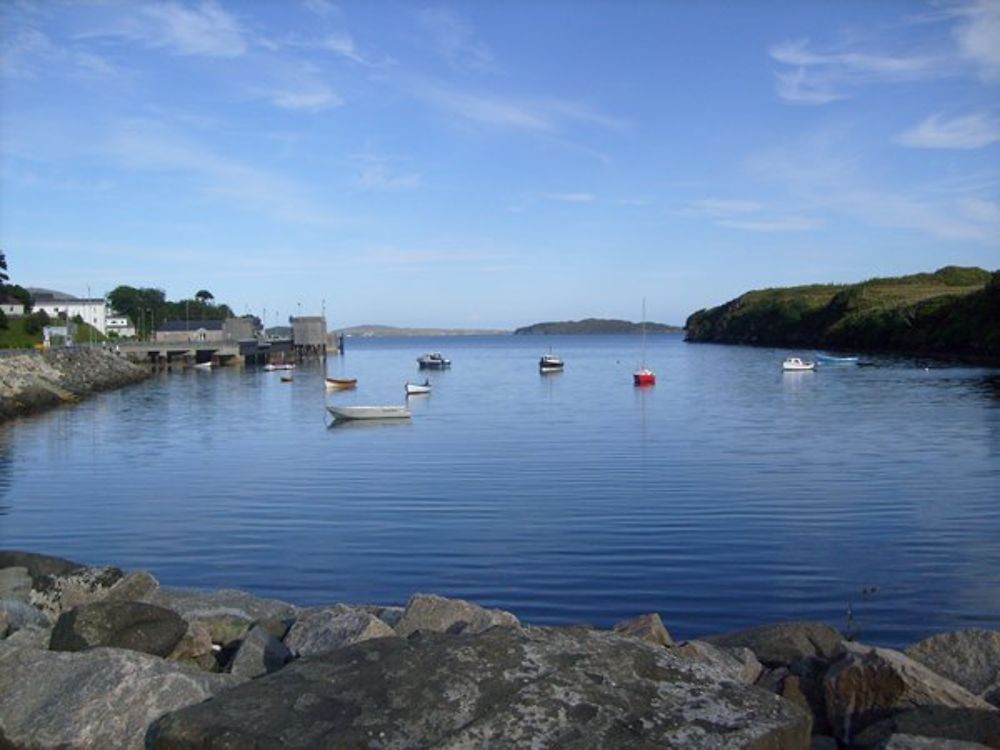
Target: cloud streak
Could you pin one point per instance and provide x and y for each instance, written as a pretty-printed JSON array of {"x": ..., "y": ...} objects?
[{"x": 967, "y": 132}]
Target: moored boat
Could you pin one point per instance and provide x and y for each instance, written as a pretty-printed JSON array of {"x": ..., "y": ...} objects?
[
  {"x": 369, "y": 412},
  {"x": 433, "y": 361},
  {"x": 270, "y": 367},
  {"x": 643, "y": 376},
  {"x": 797, "y": 364},
  {"x": 416, "y": 389},
  {"x": 550, "y": 363},
  {"x": 341, "y": 384},
  {"x": 286, "y": 378}
]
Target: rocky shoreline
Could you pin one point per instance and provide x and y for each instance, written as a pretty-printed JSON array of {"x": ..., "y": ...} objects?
[
  {"x": 97, "y": 657},
  {"x": 33, "y": 381}
]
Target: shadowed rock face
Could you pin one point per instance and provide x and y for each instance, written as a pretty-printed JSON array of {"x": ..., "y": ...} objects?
[
  {"x": 131, "y": 625},
  {"x": 504, "y": 687}
]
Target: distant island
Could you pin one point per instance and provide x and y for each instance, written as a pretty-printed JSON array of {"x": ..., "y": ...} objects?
[
  {"x": 954, "y": 311},
  {"x": 593, "y": 325},
  {"x": 370, "y": 331}
]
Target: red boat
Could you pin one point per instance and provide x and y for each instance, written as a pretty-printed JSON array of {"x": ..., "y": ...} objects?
[{"x": 644, "y": 377}]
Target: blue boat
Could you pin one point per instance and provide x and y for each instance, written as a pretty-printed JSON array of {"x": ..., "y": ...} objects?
[{"x": 827, "y": 359}]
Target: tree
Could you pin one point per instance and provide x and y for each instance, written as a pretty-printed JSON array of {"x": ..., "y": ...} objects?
[{"x": 204, "y": 296}]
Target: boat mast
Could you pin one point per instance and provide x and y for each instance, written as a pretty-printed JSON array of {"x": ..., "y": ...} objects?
[{"x": 643, "y": 333}]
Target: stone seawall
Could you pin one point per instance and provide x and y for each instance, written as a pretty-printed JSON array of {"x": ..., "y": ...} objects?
[
  {"x": 33, "y": 381},
  {"x": 97, "y": 657}
]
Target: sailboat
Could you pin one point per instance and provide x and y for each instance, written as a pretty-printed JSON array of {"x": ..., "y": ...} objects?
[{"x": 644, "y": 376}]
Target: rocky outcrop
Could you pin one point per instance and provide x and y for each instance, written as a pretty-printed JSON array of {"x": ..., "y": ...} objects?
[
  {"x": 506, "y": 686},
  {"x": 34, "y": 381},
  {"x": 449, "y": 673}
]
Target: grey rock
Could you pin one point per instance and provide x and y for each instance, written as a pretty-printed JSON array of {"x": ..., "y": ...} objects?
[
  {"x": 133, "y": 587},
  {"x": 505, "y": 687},
  {"x": 431, "y": 613},
  {"x": 4, "y": 624},
  {"x": 131, "y": 625},
  {"x": 823, "y": 742},
  {"x": 738, "y": 664},
  {"x": 915, "y": 742},
  {"x": 195, "y": 647},
  {"x": 30, "y": 636},
  {"x": 20, "y": 614},
  {"x": 260, "y": 653},
  {"x": 938, "y": 723},
  {"x": 865, "y": 684},
  {"x": 15, "y": 583},
  {"x": 104, "y": 698},
  {"x": 56, "y": 594},
  {"x": 648, "y": 627},
  {"x": 784, "y": 643},
  {"x": 37, "y": 565},
  {"x": 390, "y": 615},
  {"x": 970, "y": 658},
  {"x": 190, "y": 604},
  {"x": 803, "y": 688},
  {"x": 276, "y": 627},
  {"x": 334, "y": 628}
]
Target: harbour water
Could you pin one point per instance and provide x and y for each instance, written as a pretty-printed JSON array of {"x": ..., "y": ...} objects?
[{"x": 729, "y": 494}]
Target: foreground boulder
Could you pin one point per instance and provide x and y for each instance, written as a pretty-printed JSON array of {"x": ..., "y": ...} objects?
[
  {"x": 431, "y": 613},
  {"x": 935, "y": 725},
  {"x": 970, "y": 658},
  {"x": 104, "y": 698},
  {"x": 132, "y": 625},
  {"x": 867, "y": 684},
  {"x": 508, "y": 687}
]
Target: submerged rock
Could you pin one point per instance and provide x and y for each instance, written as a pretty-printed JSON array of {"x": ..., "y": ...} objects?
[
  {"x": 130, "y": 625},
  {"x": 505, "y": 687},
  {"x": 436, "y": 614},
  {"x": 103, "y": 698}
]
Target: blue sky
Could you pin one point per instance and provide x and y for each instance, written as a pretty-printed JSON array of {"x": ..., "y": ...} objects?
[{"x": 494, "y": 164}]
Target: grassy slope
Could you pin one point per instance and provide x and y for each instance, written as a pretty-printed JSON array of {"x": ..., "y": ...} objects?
[
  {"x": 952, "y": 311},
  {"x": 14, "y": 337}
]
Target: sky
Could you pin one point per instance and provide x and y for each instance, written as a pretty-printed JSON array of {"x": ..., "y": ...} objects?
[{"x": 494, "y": 164}]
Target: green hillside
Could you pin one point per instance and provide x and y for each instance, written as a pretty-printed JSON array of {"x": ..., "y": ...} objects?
[
  {"x": 593, "y": 326},
  {"x": 953, "y": 311}
]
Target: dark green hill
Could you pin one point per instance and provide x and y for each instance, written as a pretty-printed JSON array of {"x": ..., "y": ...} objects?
[
  {"x": 593, "y": 325},
  {"x": 951, "y": 312}
]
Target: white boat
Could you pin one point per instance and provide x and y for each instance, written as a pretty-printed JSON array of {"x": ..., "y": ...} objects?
[
  {"x": 415, "y": 389},
  {"x": 204, "y": 365},
  {"x": 279, "y": 366},
  {"x": 369, "y": 412},
  {"x": 550, "y": 363},
  {"x": 433, "y": 361},
  {"x": 795, "y": 364},
  {"x": 829, "y": 359},
  {"x": 341, "y": 384}
]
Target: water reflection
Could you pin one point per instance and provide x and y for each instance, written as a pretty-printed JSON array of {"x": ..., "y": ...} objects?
[{"x": 6, "y": 469}]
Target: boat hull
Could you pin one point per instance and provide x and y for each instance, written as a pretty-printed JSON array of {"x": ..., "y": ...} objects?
[
  {"x": 826, "y": 359},
  {"x": 414, "y": 389},
  {"x": 643, "y": 378},
  {"x": 368, "y": 412},
  {"x": 333, "y": 384}
]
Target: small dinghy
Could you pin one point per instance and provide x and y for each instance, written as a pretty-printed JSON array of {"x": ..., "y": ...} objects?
[
  {"x": 341, "y": 384},
  {"x": 279, "y": 366},
  {"x": 417, "y": 389},
  {"x": 796, "y": 364},
  {"x": 368, "y": 412}
]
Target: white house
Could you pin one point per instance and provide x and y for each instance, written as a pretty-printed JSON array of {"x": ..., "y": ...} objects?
[
  {"x": 120, "y": 325},
  {"x": 93, "y": 311},
  {"x": 11, "y": 306}
]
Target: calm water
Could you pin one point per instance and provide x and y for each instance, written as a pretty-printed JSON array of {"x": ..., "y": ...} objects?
[{"x": 727, "y": 495}]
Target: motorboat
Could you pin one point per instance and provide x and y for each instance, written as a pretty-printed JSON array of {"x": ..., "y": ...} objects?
[
  {"x": 433, "y": 361},
  {"x": 369, "y": 412},
  {"x": 286, "y": 378},
  {"x": 416, "y": 389},
  {"x": 341, "y": 384},
  {"x": 550, "y": 363},
  {"x": 827, "y": 359},
  {"x": 203, "y": 365},
  {"x": 796, "y": 364},
  {"x": 271, "y": 367}
]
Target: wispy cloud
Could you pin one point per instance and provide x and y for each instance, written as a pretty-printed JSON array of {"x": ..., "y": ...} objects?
[
  {"x": 967, "y": 132},
  {"x": 981, "y": 210},
  {"x": 312, "y": 99},
  {"x": 343, "y": 44},
  {"x": 542, "y": 115},
  {"x": 977, "y": 33},
  {"x": 721, "y": 207},
  {"x": 823, "y": 76},
  {"x": 148, "y": 146},
  {"x": 380, "y": 177},
  {"x": 200, "y": 30},
  {"x": 748, "y": 215},
  {"x": 323, "y": 8},
  {"x": 787, "y": 224},
  {"x": 454, "y": 40},
  {"x": 570, "y": 197},
  {"x": 28, "y": 53}
]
